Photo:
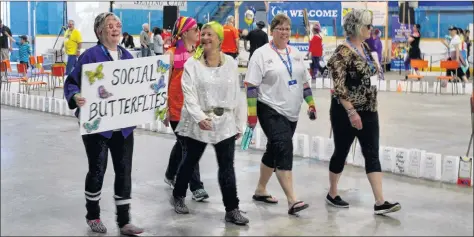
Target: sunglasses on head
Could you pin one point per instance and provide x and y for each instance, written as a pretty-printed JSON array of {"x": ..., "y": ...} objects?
[{"x": 369, "y": 26}]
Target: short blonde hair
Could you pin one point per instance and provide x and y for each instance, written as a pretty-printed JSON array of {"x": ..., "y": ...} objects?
[
  {"x": 355, "y": 20},
  {"x": 279, "y": 19}
]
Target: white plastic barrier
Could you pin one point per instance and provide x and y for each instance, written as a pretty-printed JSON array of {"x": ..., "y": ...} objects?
[{"x": 414, "y": 162}]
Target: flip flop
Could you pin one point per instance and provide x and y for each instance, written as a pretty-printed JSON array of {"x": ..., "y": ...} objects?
[
  {"x": 265, "y": 199},
  {"x": 293, "y": 210}
]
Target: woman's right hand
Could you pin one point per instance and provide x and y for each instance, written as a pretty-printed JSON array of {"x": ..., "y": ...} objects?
[
  {"x": 80, "y": 101},
  {"x": 206, "y": 124},
  {"x": 356, "y": 122}
]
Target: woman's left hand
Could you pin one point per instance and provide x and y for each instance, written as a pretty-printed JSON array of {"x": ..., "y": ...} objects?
[{"x": 239, "y": 135}]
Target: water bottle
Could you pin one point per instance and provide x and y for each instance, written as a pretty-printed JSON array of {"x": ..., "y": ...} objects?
[{"x": 247, "y": 138}]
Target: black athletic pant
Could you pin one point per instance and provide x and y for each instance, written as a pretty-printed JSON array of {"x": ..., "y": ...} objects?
[
  {"x": 97, "y": 148},
  {"x": 176, "y": 158},
  {"x": 279, "y": 132},
  {"x": 225, "y": 159},
  {"x": 344, "y": 135}
]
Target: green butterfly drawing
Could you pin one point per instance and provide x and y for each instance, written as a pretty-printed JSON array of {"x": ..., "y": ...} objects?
[
  {"x": 92, "y": 126},
  {"x": 161, "y": 113},
  {"x": 97, "y": 75}
]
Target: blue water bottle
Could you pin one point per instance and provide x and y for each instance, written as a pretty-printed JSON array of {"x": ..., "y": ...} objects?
[{"x": 247, "y": 138}]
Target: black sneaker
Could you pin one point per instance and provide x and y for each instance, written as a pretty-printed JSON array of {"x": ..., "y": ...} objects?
[
  {"x": 179, "y": 205},
  {"x": 336, "y": 202},
  {"x": 387, "y": 208},
  {"x": 235, "y": 216}
]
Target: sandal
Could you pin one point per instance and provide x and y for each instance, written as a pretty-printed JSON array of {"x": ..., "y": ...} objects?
[
  {"x": 265, "y": 199},
  {"x": 294, "y": 209}
]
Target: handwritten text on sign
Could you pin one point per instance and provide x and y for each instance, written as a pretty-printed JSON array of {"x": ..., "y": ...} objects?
[{"x": 123, "y": 93}]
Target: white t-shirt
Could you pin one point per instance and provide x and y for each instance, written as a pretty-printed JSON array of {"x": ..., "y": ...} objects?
[
  {"x": 267, "y": 71},
  {"x": 114, "y": 54},
  {"x": 455, "y": 43}
]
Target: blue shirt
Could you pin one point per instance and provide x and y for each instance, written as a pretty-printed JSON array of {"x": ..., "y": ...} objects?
[
  {"x": 24, "y": 51},
  {"x": 72, "y": 85}
]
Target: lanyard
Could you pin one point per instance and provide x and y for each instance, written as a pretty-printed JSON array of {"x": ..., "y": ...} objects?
[
  {"x": 288, "y": 64},
  {"x": 367, "y": 57},
  {"x": 107, "y": 53}
]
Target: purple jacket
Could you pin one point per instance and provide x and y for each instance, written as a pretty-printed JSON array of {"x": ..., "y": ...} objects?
[
  {"x": 72, "y": 85},
  {"x": 375, "y": 45}
]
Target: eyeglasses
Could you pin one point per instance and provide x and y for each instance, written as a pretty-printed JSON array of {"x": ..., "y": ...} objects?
[
  {"x": 370, "y": 26},
  {"x": 283, "y": 29}
]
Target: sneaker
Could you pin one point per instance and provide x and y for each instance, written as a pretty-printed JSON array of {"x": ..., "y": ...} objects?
[
  {"x": 179, "y": 205},
  {"x": 170, "y": 182},
  {"x": 130, "y": 229},
  {"x": 336, "y": 202},
  {"x": 97, "y": 226},
  {"x": 200, "y": 195},
  {"x": 387, "y": 208},
  {"x": 235, "y": 216}
]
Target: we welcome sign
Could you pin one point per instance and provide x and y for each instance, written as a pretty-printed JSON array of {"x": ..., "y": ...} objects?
[{"x": 124, "y": 93}]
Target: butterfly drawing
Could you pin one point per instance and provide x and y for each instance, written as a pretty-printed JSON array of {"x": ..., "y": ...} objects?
[
  {"x": 97, "y": 75},
  {"x": 161, "y": 113},
  {"x": 103, "y": 93},
  {"x": 162, "y": 67},
  {"x": 160, "y": 84},
  {"x": 92, "y": 126}
]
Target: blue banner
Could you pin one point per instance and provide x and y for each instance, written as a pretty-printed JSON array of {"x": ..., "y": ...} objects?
[{"x": 327, "y": 13}]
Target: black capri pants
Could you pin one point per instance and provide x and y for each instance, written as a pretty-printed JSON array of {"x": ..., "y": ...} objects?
[
  {"x": 344, "y": 135},
  {"x": 279, "y": 132}
]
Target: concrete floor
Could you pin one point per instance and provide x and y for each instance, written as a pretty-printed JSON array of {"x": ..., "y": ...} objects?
[{"x": 43, "y": 166}]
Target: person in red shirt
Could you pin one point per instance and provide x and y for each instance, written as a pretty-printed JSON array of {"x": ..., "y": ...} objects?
[
  {"x": 316, "y": 49},
  {"x": 230, "y": 44}
]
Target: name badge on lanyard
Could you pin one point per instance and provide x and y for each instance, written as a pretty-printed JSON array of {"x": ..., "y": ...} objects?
[{"x": 292, "y": 83}]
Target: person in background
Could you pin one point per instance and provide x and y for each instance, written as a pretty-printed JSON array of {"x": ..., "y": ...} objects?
[
  {"x": 468, "y": 47},
  {"x": 145, "y": 40},
  {"x": 166, "y": 36},
  {"x": 257, "y": 38},
  {"x": 375, "y": 45},
  {"x": 277, "y": 82},
  {"x": 127, "y": 41},
  {"x": 353, "y": 111},
  {"x": 185, "y": 35},
  {"x": 230, "y": 44},
  {"x": 72, "y": 44},
  {"x": 210, "y": 115},
  {"x": 414, "y": 52},
  {"x": 5, "y": 36},
  {"x": 315, "y": 51},
  {"x": 107, "y": 28},
  {"x": 454, "y": 49},
  {"x": 24, "y": 50},
  {"x": 157, "y": 41}
]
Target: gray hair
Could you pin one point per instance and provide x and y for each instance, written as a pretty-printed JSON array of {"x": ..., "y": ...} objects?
[
  {"x": 99, "y": 23},
  {"x": 355, "y": 20},
  {"x": 144, "y": 24},
  {"x": 229, "y": 19},
  {"x": 71, "y": 21}
]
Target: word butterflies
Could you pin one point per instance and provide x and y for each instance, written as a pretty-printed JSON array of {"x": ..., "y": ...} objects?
[
  {"x": 97, "y": 75},
  {"x": 92, "y": 126},
  {"x": 162, "y": 67},
  {"x": 157, "y": 86}
]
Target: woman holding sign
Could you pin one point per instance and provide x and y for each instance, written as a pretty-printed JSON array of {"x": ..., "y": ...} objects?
[
  {"x": 108, "y": 29},
  {"x": 277, "y": 83},
  {"x": 210, "y": 116},
  {"x": 353, "y": 110},
  {"x": 185, "y": 37}
]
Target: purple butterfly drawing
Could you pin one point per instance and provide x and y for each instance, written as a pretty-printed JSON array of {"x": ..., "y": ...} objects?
[{"x": 103, "y": 93}]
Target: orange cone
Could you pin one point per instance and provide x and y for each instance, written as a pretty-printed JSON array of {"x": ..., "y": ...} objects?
[{"x": 399, "y": 87}]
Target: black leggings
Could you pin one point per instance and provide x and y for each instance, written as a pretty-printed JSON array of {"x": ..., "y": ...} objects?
[
  {"x": 279, "y": 132},
  {"x": 344, "y": 135},
  {"x": 97, "y": 149},
  {"x": 175, "y": 161},
  {"x": 225, "y": 151}
]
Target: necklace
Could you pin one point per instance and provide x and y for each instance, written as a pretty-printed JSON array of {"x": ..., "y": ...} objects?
[{"x": 207, "y": 63}]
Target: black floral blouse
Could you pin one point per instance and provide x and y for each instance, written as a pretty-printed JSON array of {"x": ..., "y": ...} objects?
[{"x": 351, "y": 75}]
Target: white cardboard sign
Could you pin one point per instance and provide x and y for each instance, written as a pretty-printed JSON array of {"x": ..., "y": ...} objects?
[{"x": 123, "y": 93}]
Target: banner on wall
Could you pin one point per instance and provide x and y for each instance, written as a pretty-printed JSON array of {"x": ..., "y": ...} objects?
[
  {"x": 151, "y": 5},
  {"x": 378, "y": 9},
  {"x": 324, "y": 12},
  {"x": 123, "y": 93},
  {"x": 399, "y": 44}
]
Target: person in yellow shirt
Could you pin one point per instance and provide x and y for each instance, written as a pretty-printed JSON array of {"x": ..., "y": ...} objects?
[{"x": 72, "y": 44}]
